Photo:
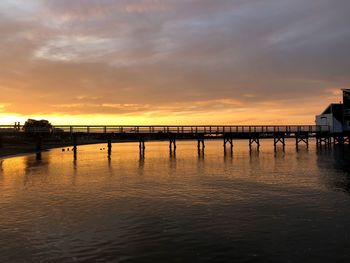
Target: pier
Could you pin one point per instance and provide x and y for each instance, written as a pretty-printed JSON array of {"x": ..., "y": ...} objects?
[{"x": 75, "y": 134}]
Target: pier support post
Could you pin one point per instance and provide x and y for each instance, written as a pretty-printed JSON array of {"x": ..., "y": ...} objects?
[
  {"x": 228, "y": 139},
  {"x": 343, "y": 138},
  {"x": 346, "y": 139},
  {"x": 109, "y": 145},
  {"x": 200, "y": 144},
  {"x": 142, "y": 146},
  {"x": 338, "y": 139},
  {"x": 142, "y": 143},
  {"x": 254, "y": 138},
  {"x": 172, "y": 146},
  {"x": 172, "y": 143},
  {"x": 75, "y": 145},
  {"x": 279, "y": 137},
  {"x": 302, "y": 137},
  {"x": 323, "y": 139}
]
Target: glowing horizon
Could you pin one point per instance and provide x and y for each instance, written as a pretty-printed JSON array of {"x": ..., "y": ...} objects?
[{"x": 254, "y": 115}]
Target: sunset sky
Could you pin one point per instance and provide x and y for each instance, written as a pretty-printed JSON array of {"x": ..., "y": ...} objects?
[{"x": 172, "y": 61}]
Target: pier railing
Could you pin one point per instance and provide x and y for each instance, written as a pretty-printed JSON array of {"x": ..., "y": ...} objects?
[{"x": 178, "y": 129}]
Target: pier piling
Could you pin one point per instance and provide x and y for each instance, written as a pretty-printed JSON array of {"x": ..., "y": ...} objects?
[
  {"x": 338, "y": 139},
  {"x": 279, "y": 134},
  {"x": 279, "y": 138},
  {"x": 200, "y": 144},
  {"x": 323, "y": 139},
  {"x": 172, "y": 143},
  {"x": 109, "y": 145},
  {"x": 254, "y": 138},
  {"x": 228, "y": 140},
  {"x": 347, "y": 139},
  {"x": 75, "y": 146},
  {"x": 142, "y": 146},
  {"x": 301, "y": 138}
]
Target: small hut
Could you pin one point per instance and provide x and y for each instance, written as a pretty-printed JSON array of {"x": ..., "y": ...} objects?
[{"x": 337, "y": 115}]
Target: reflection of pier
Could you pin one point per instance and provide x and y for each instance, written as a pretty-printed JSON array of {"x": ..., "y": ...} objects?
[{"x": 253, "y": 134}]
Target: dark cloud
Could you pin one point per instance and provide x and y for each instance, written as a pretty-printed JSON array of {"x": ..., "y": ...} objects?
[{"x": 137, "y": 56}]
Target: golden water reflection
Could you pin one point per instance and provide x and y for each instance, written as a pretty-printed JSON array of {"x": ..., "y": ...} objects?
[{"x": 95, "y": 207}]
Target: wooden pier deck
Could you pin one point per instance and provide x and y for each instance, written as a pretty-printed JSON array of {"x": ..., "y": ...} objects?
[
  {"x": 192, "y": 129},
  {"x": 142, "y": 133}
]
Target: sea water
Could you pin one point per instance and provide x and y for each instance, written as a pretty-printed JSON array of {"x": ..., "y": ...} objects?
[{"x": 211, "y": 206}]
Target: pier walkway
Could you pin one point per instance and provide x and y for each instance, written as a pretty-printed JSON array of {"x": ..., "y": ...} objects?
[{"x": 142, "y": 133}]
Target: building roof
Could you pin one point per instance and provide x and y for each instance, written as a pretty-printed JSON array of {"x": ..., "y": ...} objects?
[{"x": 336, "y": 109}]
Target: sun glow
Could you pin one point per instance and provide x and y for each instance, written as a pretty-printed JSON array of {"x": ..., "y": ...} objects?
[{"x": 198, "y": 119}]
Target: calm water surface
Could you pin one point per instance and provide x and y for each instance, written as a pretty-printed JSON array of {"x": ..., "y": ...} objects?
[{"x": 291, "y": 206}]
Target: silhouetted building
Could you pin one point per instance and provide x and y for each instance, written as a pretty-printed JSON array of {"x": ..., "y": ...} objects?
[
  {"x": 37, "y": 126},
  {"x": 346, "y": 106},
  {"x": 337, "y": 115}
]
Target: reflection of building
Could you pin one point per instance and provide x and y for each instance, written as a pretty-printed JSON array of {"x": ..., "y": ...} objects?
[{"x": 337, "y": 115}]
